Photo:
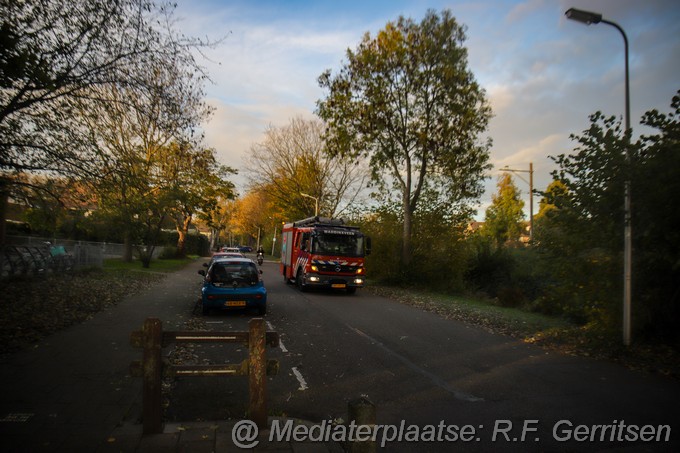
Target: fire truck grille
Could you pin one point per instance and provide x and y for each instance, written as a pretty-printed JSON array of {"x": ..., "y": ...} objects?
[{"x": 336, "y": 268}]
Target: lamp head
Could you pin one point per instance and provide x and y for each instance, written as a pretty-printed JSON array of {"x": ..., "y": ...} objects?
[{"x": 585, "y": 17}]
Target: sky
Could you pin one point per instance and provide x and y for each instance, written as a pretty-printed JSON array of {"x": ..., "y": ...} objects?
[{"x": 543, "y": 74}]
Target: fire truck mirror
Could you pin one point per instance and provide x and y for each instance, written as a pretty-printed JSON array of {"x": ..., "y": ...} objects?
[{"x": 368, "y": 245}]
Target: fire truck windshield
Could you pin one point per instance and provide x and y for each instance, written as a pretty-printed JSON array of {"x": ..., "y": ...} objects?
[{"x": 338, "y": 242}]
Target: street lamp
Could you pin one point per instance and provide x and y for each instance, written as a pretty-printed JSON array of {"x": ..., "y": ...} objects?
[
  {"x": 316, "y": 201},
  {"x": 595, "y": 18},
  {"x": 274, "y": 238},
  {"x": 531, "y": 194}
]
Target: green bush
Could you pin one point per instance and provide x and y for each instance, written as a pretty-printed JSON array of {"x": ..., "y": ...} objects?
[
  {"x": 169, "y": 252},
  {"x": 196, "y": 244}
]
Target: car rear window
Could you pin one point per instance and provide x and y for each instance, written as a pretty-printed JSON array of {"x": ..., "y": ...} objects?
[{"x": 230, "y": 273}]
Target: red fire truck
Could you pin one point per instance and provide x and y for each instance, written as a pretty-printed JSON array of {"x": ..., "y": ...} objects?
[{"x": 324, "y": 252}]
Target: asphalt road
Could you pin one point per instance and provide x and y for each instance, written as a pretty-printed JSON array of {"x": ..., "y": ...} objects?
[{"x": 435, "y": 378}]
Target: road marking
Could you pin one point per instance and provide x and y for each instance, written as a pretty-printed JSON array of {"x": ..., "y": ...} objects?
[
  {"x": 301, "y": 380},
  {"x": 296, "y": 372},
  {"x": 434, "y": 378},
  {"x": 283, "y": 348}
]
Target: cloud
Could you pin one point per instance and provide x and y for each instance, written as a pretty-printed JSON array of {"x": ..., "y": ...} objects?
[
  {"x": 501, "y": 97},
  {"x": 522, "y": 10},
  {"x": 544, "y": 75},
  {"x": 234, "y": 129},
  {"x": 539, "y": 152}
]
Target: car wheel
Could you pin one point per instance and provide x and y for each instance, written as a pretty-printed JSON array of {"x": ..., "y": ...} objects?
[
  {"x": 205, "y": 310},
  {"x": 262, "y": 311},
  {"x": 351, "y": 290},
  {"x": 298, "y": 281}
]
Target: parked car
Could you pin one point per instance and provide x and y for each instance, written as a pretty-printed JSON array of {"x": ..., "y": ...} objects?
[
  {"x": 222, "y": 255},
  {"x": 245, "y": 248},
  {"x": 230, "y": 249},
  {"x": 229, "y": 254},
  {"x": 233, "y": 284}
]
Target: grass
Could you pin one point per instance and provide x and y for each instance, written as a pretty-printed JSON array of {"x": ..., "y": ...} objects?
[
  {"x": 474, "y": 310},
  {"x": 544, "y": 331},
  {"x": 164, "y": 266}
]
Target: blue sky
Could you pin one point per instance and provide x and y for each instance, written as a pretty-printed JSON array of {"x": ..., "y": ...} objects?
[{"x": 543, "y": 74}]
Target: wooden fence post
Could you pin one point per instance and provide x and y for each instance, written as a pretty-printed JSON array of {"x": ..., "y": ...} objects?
[
  {"x": 257, "y": 368},
  {"x": 362, "y": 412},
  {"x": 151, "y": 392}
]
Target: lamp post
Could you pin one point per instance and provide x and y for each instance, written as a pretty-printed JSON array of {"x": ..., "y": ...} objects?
[
  {"x": 595, "y": 18},
  {"x": 531, "y": 194},
  {"x": 316, "y": 203},
  {"x": 274, "y": 239}
]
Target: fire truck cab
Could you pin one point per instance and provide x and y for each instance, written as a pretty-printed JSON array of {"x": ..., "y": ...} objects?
[{"x": 325, "y": 253}]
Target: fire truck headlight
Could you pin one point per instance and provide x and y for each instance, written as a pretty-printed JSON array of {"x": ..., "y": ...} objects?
[
  {"x": 313, "y": 278},
  {"x": 358, "y": 281}
]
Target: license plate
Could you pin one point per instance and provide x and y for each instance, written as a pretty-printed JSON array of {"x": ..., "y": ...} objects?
[
  {"x": 235, "y": 303},
  {"x": 338, "y": 285}
]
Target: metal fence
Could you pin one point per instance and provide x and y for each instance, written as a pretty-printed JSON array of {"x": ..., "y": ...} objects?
[
  {"x": 29, "y": 255},
  {"x": 26, "y": 255}
]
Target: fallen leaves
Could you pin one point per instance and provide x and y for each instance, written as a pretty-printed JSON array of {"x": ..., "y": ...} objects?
[
  {"x": 34, "y": 308},
  {"x": 573, "y": 340}
]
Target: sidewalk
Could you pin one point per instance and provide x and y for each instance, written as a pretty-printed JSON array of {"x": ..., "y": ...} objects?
[
  {"x": 73, "y": 391},
  {"x": 215, "y": 436}
]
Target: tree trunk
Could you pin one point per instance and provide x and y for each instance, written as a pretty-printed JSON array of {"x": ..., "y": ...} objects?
[
  {"x": 182, "y": 232},
  {"x": 406, "y": 237},
  {"x": 214, "y": 235},
  {"x": 127, "y": 247},
  {"x": 145, "y": 254},
  {"x": 4, "y": 197}
]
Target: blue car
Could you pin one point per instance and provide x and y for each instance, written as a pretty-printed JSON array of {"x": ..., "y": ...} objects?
[{"x": 233, "y": 284}]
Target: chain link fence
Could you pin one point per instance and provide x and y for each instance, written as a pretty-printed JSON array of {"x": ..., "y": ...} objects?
[{"x": 29, "y": 255}]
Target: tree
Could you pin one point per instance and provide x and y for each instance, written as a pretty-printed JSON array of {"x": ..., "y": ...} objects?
[
  {"x": 554, "y": 214},
  {"x": 198, "y": 183},
  {"x": 504, "y": 218},
  {"x": 656, "y": 226},
  {"x": 581, "y": 241},
  {"x": 580, "y": 226},
  {"x": 407, "y": 102},
  {"x": 291, "y": 160},
  {"x": 53, "y": 55},
  {"x": 145, "y": 137}
]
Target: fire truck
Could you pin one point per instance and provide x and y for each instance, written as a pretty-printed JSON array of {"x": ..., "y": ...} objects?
[{"x": 325, "y": 253}]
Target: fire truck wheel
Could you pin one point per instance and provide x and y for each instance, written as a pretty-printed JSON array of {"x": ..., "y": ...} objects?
[
  {"x": 351, "y": 290},
  {"x": 298, "y": 281}
]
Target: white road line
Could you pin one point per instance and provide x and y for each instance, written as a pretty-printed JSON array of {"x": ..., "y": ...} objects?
[
  {"x": 301, "y": 380},
  {"x": 434, "y": 378},
  {"x": 281, "y": 346},
  {"x": 296, "y": 372}
]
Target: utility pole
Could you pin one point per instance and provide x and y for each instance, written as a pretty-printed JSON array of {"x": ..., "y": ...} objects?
[{"x": 531, "y": 194}]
